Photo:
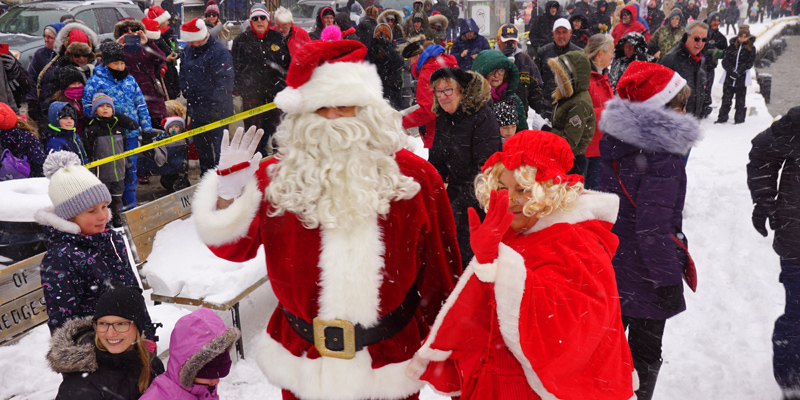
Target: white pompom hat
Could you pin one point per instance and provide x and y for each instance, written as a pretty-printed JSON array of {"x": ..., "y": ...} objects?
[{"x": 73, "y": 189}]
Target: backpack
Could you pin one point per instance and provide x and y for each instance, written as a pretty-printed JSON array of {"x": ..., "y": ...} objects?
[{"x": 12, "y": 167}]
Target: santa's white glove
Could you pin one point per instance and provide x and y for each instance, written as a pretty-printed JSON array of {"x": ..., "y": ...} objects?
[
  {"x": 238, "y": 161},
  {"x": 416, "y": 367}
]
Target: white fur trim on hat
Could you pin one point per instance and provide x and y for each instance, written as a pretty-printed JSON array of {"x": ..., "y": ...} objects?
[
  {"x": 196, "y": 33},
  {"x": 152, "y": 35},
  {"x": 330, "y": 86},
  {"x": 668, "y": 92},
  {"x": 561, "y": 23},
  {"x": 164, "y": 17}
]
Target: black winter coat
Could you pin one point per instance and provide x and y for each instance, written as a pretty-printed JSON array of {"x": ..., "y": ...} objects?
[
  {"x": 621, "y": 63},
  {"x": 716, "y": 41},
  {"x": 541, "y": 29},
  {"x": 105, "y": 137},
  {"x": 655, "y": 17},
  {"x": 680, "y": 61},
  {"x": 600, "y": 17},
  {"x": 390, "y": 68},
  {"x": 546, "y": 52},
  {"x": 776, "y": 153},
  {"x": 93, "y": 374},
  {"x": 737, "y": 60},
  {"x": 259, "y": 65}
]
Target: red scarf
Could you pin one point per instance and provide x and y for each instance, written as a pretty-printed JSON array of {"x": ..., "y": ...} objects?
[{"x": 696, "y": 58}]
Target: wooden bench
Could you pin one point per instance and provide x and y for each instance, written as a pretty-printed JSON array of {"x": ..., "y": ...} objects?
[
  {"x": 22, "y": 304},
  {"x": 141, "y": 225}
]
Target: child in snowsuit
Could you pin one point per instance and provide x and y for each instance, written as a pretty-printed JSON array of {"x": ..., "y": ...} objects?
[
  {"x": 83, "y": 257},
  {"x": 772, "y": 176},
  {"x": 737, "y": 61},
  {"x": 106, "y": 137},
  {"x": 199, "y": 356},
  {"x": 61, "y": 133}
]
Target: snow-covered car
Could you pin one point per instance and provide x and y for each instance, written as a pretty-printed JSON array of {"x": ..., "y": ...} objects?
[{"x": 22, "y": 27}]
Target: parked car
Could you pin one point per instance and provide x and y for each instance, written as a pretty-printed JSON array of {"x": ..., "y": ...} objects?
[
  {"x": 22, "y": 27},
  {"x": 305, "y": 12}
]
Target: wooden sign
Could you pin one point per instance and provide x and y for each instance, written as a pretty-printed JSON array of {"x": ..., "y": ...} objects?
[
  {"x": 20, "y": 279},
  {"x": 21, "y": 315}
]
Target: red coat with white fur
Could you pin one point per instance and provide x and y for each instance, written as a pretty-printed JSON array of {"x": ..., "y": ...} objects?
[
  {"x": 356, "y": 274},
  {"x": 550, "y": 302}
]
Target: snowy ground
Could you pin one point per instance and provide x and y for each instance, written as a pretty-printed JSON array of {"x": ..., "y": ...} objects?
[{"x": 718, "y": 349}]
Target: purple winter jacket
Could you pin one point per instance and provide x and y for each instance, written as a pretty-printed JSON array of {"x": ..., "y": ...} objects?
[
  {"x": 144, "y": 67},
  {"x": 648, "y": 144},
  {"x": 197, "y": 339}
]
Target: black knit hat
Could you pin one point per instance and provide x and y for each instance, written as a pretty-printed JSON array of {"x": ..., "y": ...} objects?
[
  {"x": 463, "y": 78},
  {"x": 69, "y": 75},
  {"x": 123, "y": 301},
  {"x": 112, "y": 51}
]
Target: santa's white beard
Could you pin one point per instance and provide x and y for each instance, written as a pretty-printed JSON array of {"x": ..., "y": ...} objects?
[{"x": 338, "y": 172}]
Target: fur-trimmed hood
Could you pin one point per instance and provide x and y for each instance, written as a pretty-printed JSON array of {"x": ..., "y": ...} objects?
[
  {"x": 197, "y": 339},
  {"x": 72, "y": 347},
  {"x": 474, "y": 96},
  {"x": 119, "y": 26},
  {"x": 47, "y": 217},
  {"x": 572, "y": 72},
  {"x": 440, "y": 19},
  {"x": 490, "y": 60},
  {"x": 397, "y": 16},
  {"x": 650, "y": 128},
  {"x": 61, "y": 38}
]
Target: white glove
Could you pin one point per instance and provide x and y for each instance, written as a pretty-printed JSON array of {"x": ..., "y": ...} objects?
[
  {"x": 416, "y": 367},
  {"x": 240, "y": 149}
]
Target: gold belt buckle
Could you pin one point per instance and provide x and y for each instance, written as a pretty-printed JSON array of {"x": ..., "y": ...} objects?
[{"x": 349, "y": 337}]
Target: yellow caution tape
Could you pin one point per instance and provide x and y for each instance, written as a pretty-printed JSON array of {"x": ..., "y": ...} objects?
[{"x": 213, "y": 125}]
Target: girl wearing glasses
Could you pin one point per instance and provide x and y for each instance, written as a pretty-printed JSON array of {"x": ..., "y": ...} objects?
[
  {"x": 106, "y": 355},
  {"x": 216, "y": 28}
]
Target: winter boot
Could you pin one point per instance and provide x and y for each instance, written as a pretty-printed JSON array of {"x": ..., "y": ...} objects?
[{"x": 648, "y": 374}]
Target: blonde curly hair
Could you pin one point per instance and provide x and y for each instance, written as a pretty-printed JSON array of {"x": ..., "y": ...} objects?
[{"x": 544, "y": 198}]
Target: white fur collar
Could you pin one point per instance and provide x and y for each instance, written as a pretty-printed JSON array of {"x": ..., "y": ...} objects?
[
  {"x": 47, "y": 217},
  {"x": 590, "y": 205},
  {"x": 649, "y": 127}
]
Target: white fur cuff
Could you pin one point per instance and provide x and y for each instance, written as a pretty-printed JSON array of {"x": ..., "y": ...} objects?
[
  {"x": 485, "y": 272},
  {"x": 218, "y": 227}
]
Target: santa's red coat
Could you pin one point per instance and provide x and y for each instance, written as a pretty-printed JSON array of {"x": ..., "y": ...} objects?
[
  {"x": 543, "y": 320},
  {"x": 356, "y": 274}
]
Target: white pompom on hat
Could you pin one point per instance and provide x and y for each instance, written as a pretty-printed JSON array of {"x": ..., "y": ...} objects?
[
  {"x": 194, "y": 30},
  {"x": 73, "y": 189},
  {"x": 649, "y": 83},
  {"x": 157, "y": 13},
  {"x": 323, "y": 75}
]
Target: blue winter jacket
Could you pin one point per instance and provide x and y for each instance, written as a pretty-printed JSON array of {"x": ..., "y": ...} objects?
[
  {"x": 473, "y": 46},
  {"x": 127, "y": 96},
  {"x": 58, "y": 138},
  {"x": 206, "y": 79},
  {"x": 77, "y": 269}
]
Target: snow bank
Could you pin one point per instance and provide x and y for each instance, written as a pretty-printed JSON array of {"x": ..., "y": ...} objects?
[{"x": 20, "y": 198}]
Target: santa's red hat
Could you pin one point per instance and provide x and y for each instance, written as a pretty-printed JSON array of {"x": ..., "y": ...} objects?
[
  {"x": 151, "y": 28},
  {"x": 649, "y": 83},
  {"x": 194, "y": 30},
  {"x": 329, "y": 74},
  {"x": 158, "y": 14}
]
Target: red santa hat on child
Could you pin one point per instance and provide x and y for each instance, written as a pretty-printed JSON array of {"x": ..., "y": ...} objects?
[
  {"x": 329, "y": 74},
  {"x": 151, "y": 28},
  {"x": 158, "y": 14},
  {"x": 649, "y": 83},
  {"x": 194, "y": 30}
]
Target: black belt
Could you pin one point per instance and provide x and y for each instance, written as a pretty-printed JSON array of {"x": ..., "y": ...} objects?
[{"x": 342, "y": 339}]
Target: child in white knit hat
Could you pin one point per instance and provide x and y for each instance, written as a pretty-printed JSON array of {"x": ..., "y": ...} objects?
[{"x": 83, "y": 257}]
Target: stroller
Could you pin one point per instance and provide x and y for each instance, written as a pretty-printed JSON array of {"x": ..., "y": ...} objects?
[{"x": 169, "y": 161}]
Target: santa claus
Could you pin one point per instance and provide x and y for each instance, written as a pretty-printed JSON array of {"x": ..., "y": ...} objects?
[{"x": 358, "y": 233}]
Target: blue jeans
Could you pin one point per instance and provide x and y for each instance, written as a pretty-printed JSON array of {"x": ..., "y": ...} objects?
[
  {"x": 786, "y": 336},
  {"x": 131, "y": 180}
]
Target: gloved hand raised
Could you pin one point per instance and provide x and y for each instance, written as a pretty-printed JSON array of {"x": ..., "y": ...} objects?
[
  {"x": 485, "y": 238},
  {"x": 238, "y": 161}
]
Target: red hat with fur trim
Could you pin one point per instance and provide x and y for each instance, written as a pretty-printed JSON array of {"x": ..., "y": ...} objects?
[
  {"x": 151, "y": 28},
  {"x": 649, "y": 83},
  {"x": 548, "y": 152},
  {"x": 325, "y": 74},
  {"x": 158, "y": 14},
  {"x": 194, "y": 30}
]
